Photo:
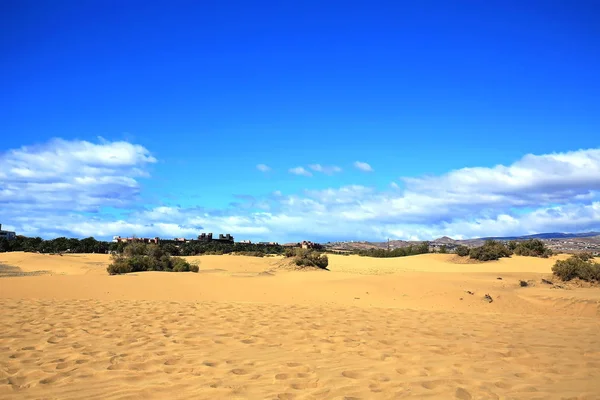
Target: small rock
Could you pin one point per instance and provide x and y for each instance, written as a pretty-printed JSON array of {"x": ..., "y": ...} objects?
[
  {"x": 547, "y": 282},
  {"x": 488, "y": 298},
  {"x": 471, "y": 293},
  {"x": 461, "y": 298},
  {"x": 523, "y": 283},
  {"x": 499, "y": 278}
]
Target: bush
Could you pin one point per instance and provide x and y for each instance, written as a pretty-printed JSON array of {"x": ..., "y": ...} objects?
[
  {"x": 308, "y": 258},
  {"x": 532, "y": 248},
  {"x": 491, "y": 250},
  {"x": 289, "y": 252},
  {"x": 139, "y": 257},
  {"x": 120, "y": 266},
  {"x": 412, "y": 250},
  {"x": 462, "y": 251},
  {"x": 580, "y": 266}
]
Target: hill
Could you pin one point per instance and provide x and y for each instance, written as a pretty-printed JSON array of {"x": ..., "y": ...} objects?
[{"x": 560, "y": 242}]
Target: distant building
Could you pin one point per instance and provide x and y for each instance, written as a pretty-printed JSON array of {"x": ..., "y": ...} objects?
[
  {"x": 208, "y": 237},
  {"x": 9, "y": 235},
  {"x": 246, "y": 242},
  {"x": 119, "y": 239},
  {"x": 306, "y": 244},
  {"x": 225, "y": 238}
]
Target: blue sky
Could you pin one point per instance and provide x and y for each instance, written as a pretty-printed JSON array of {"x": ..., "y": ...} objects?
[{"x": 151, "y": 119}]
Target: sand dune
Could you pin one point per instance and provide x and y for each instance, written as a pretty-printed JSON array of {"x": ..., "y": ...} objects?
[{"x": 367, "y": 329}]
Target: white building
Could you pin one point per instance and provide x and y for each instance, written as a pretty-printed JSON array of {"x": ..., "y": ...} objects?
[{"x": 7, "y": 234}]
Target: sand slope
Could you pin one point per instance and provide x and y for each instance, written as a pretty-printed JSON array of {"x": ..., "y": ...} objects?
[{"x": 368, "y": 329}]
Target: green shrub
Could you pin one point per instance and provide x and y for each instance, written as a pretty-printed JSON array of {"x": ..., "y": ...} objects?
[
  {"x": 462, "y": 251},
  {"x": 179, "y": 264},
  {"x": 532, "y": 248},
  {"x": 289, "y": 252},
  {"x": 490, "y": 250},
  {"x": 139, "y": 257},
  {"x": 580, "y": 266},
  {"x": 309, "y": 258},
  {"x": 120, "y": 266}
]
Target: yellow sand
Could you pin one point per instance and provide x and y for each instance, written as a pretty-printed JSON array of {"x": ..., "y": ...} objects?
[{"x": 367, "y": 329}]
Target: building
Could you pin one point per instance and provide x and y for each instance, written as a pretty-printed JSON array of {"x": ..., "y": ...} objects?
[
  {"x": 119, "y": 239},
  {"x": 225, "y": 238},
  {"x": 306, "y": 244},
  {"x": 208, "y": 237},
  {"x": 9, "y": 235}
]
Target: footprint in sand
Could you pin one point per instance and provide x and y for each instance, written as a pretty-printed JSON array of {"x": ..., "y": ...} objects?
[
  {"x": 62, "y": 365},
  {"x": 286, "y": 396},
  {"x": 462, "y": 394},
  {"x": 380, "y": 378},
  {"x": 239, "y": 371},
  {"x": 432, "y": 384},
  {"x": 352, "y": 374},
  {"x": 210, "y": 364},
  {"x": 375, "y": 388},
  {"x": 303, "y": 385},
  {"x": 523, "y": 375}
]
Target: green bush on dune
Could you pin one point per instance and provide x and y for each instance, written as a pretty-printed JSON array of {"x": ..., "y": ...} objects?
[
  {"x": 578, "y": 266},
  {"x": 490, "y": 250},
  {"x": 494, "y": 250},
  {"x": 462, "y": 251},
  {"x": 138, "y": 257},
  {"x": 532, "y": 248},
  {"x": 307, "y": 258}
]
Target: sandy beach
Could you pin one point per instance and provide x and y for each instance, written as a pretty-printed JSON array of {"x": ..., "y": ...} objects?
[{"x": 243, "y": 328}]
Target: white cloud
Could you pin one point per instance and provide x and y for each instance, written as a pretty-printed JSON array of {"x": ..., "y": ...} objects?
[
  {"x": 394, "y": 185},
  {"x": 533, "y": 180},
  {"x": 263, "y": 168},
  {"x": 300, "y": 171},
  {"x": 44, "y": 193},
  {"x": 327, "y": 170},
  {"x": 363, "y": 166},
  {"x": 71, "y": 176}
]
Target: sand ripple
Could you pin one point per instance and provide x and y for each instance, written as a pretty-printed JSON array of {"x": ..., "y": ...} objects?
[{"x": 211, "y": 350}]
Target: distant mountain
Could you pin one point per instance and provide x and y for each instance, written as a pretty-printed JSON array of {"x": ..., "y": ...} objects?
[
  {"x": 445, "y": 240},
  {"x": 553, "y": 235}
]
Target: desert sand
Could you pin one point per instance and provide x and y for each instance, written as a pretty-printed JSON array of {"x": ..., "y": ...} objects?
[{"x": 243, "y": 328}]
